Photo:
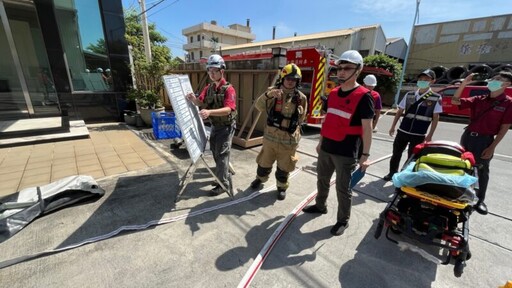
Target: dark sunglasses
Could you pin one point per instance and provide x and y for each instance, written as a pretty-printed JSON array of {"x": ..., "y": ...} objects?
[{"x": 346, "y": 68}]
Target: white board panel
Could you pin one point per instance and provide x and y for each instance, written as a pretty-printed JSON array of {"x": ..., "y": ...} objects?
[{"x": 187, "y": 114}]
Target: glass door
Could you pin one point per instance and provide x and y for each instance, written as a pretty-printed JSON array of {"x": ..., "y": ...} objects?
[
  {"x": 12, "y": 99},
  {"x": 31, "y": 65}
]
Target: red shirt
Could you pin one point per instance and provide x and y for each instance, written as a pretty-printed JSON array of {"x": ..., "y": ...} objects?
[
  {"x": 488, "y": 114},
  {"x": 376, "y": 100},
  {"x": 229, "y": 94}
]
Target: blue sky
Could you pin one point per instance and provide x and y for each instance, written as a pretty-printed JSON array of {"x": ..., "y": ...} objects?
[{"x": 310, "y": 16}]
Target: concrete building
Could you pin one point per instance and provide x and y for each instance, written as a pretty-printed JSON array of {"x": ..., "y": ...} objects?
[
  {"x": 63, "y": 55},
  {"x": 206, "y": 38},
  {"x": 463, "y": 44},
  {"x": 368, "y": 40},
  {"x": 396, "y": 48}
]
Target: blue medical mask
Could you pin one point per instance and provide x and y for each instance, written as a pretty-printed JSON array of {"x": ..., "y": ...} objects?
[
  {"x": 494, "y": 85},
  {"x": 423, "y": 84}
]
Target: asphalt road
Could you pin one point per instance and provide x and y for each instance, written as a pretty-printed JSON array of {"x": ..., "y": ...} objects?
[{"x": 206, "y": 241}]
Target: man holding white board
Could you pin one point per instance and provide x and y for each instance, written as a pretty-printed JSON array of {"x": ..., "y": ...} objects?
[{"x": 217, "y": 102}]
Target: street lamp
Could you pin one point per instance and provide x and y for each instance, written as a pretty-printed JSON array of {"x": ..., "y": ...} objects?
[{"x": 407, "y": 53}]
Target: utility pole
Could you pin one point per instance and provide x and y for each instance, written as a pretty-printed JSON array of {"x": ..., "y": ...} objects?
[
  {"x": 145, "y": 30},
  {"x": 407, "y": 53}
]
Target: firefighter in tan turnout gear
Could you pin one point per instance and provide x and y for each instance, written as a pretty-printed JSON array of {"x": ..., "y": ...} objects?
[{"x": 286, "y": 109}]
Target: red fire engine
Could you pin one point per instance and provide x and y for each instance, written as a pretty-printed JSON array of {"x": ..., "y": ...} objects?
[
  {"x": 315, "y": 67},
  {"x": 318, "y": 73}
]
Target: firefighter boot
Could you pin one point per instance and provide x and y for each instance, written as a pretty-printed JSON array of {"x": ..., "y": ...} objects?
[
  {"x": 261, "y": 177},
  {"x": 281, "y": 193},
  {"x": 217, "y": 190},
  {"x": 282, "y": 183},
  {"x": 257, "y": 184}
]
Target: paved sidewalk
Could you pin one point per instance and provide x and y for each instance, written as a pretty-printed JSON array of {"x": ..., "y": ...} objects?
[{"x": 111, "y": 149}]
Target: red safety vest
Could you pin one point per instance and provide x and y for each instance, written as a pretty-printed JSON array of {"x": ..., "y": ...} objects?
[{"x": 340, "y": 111}]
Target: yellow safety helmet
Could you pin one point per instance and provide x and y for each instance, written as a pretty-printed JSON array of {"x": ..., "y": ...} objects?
[{"x": 291, "y": 70}]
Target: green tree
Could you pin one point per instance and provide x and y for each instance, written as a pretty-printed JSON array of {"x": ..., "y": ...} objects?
[
  {"x": 147, "y": 75},
  {"x": 99, "y": 47},
  {"x": 386, "y": 85}
]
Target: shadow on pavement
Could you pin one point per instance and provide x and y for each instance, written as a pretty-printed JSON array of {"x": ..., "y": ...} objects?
[
  {"x": 135, "y": 200},
  {"x": 380, "y": 263},
  {"x": 286, "y": 253},
  {"x": 280, "y": 256},
  {"x": 374, "y": 190},
  {"x": 239, "y": 256},
  {"x": 241, "y": 209}
]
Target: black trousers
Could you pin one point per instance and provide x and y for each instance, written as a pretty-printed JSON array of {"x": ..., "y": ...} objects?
[
  {"x": 401, "y": 141},
  {"x": 476, "y": 144}
]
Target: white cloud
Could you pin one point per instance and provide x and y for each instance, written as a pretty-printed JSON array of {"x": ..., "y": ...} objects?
[
  {"x": 383, "y": 8},
  {"x": 282, "y": 30}
]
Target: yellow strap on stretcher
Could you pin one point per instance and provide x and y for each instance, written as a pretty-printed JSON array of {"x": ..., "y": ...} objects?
[
  {"x": 433, "y": 199},
  {"x": 445, "y": 161},
  {"x": 448, "y": 171}
]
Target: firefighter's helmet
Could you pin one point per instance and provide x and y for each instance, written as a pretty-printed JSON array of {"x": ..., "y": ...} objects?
[
  {"x": 370, "y": 80},
  {"x": 351, "y": 56},
  {"x": 291, "y": 70},
  {"x": 215, "y": 61}
]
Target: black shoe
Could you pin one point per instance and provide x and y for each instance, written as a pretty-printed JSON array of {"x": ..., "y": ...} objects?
[
  {"x": 281, "y": 193},
  {"x": 481, "y": 208},
  {"x": 256, "y": 184},
  {"x": 314, "y": 209},
  {"x": 388, "y": 177},
  {"x": 217, "y": 191},
  {"x": 339, "y": 228}
]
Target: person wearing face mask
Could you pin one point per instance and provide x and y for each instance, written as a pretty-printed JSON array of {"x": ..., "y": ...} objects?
[
  {"x": 217, "y": 102},
  {"x": 490, "y": 120},
  {"x": 345, "y": 139},
  {"x": 421, "y": 109},
  {"x": 286, "y": 108}
]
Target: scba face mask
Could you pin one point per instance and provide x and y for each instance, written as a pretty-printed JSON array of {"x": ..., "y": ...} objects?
[
  {"x": 494, "y": 85},
  {"x": 423, "y": 84}
]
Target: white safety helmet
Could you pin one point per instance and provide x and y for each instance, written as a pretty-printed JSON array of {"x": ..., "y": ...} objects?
[
  {"x": 351, "y": 56},
  {"x": 215, "y": 61},
  {"x": 370, "y": 80}
]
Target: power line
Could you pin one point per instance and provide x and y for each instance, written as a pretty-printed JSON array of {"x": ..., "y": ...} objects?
[
  {"x": 172, "y": 35},
  {"x": 146, "y": 11},
  {"x": 132, "y": 5},
  {"x": 161, "y": 9}
]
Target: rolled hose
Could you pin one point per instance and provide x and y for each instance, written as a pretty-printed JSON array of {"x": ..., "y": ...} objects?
[
  {"x": 482, "y": 69},
  {"x": 455, "y": 72},
  {"x": 439, "y": 70},
  {"x": 504, "y": 67}
]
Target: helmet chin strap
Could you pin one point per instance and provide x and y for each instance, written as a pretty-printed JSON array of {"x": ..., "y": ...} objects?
[{"x": 345, "y": 80}]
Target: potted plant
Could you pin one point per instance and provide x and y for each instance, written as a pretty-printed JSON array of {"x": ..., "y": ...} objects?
[{"x": 148, "y": 101}]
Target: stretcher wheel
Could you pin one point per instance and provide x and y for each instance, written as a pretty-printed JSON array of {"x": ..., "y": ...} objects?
[
  {"x": 458, "y": 269},
  {"x": 468, "y": 256},
  {"x": 395, "y": 230},
  {"x": 378, "y": 230}
]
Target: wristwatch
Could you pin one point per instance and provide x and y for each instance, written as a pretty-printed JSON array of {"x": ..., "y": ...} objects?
[{"x": 366, "y": 154}]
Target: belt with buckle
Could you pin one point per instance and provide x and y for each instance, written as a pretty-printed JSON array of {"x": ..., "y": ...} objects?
[{"x": 476, "y": 134}]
